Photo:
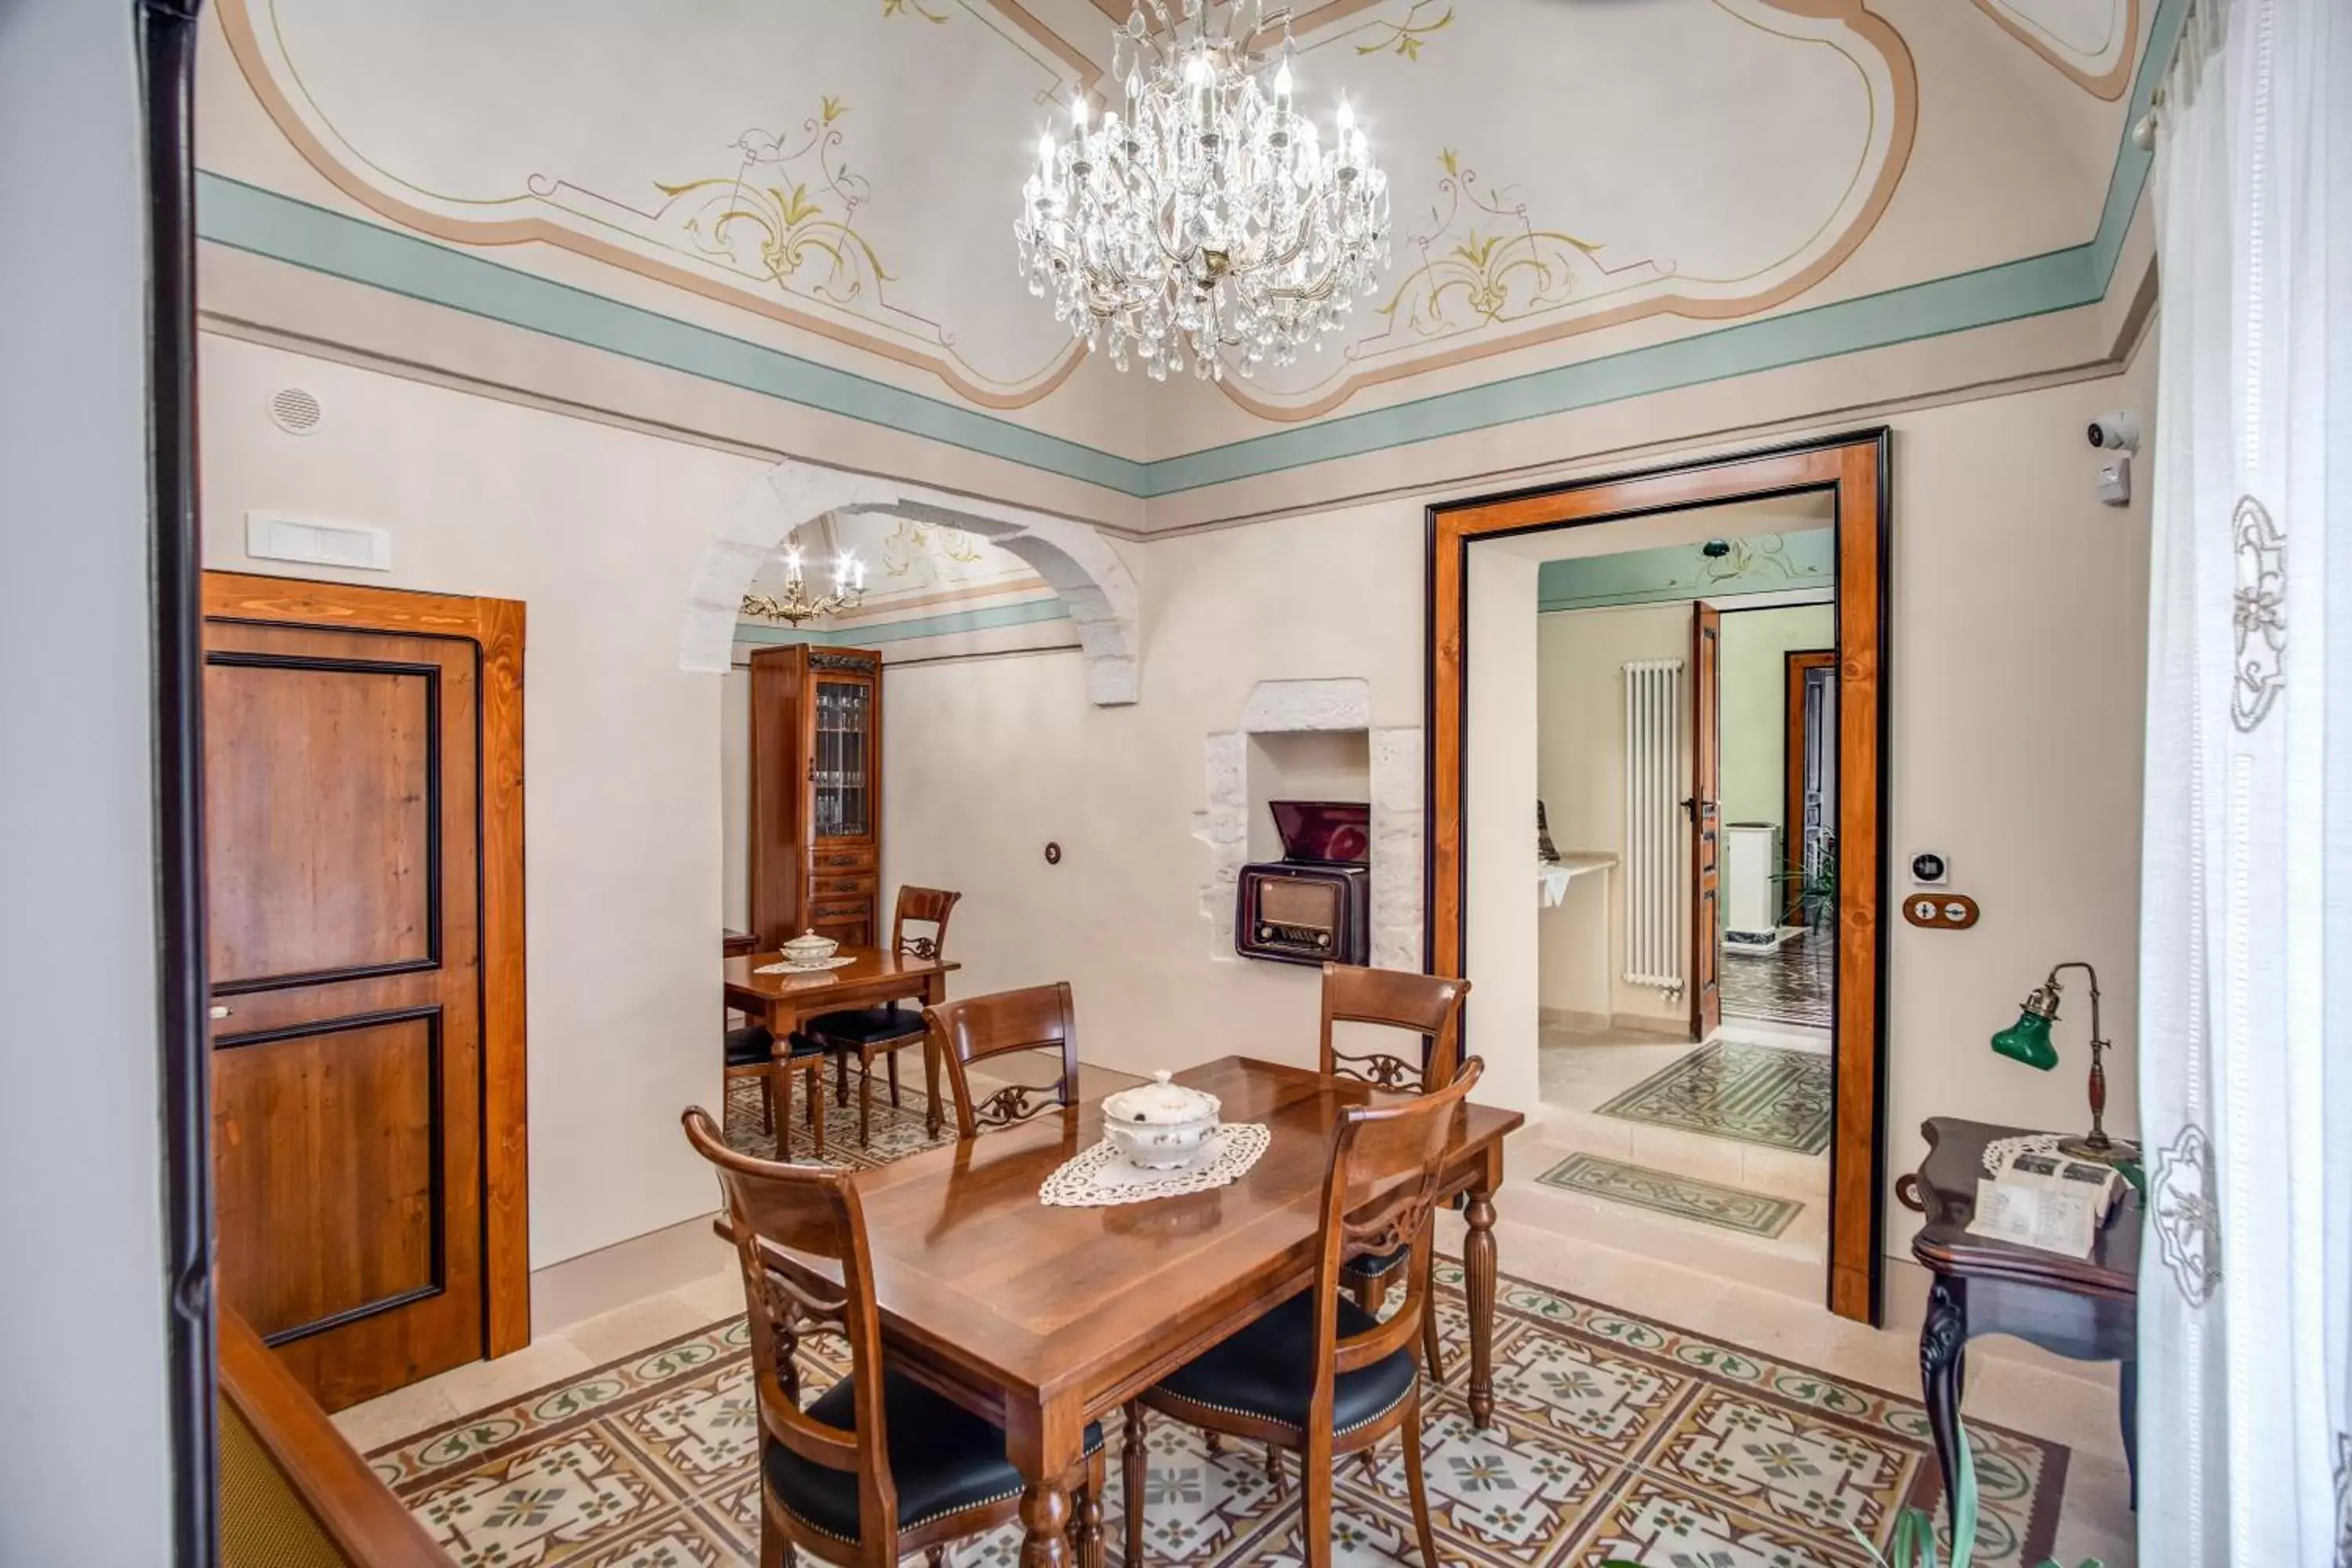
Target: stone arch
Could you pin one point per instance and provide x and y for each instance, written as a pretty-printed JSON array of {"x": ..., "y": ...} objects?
[{"x": 1076, "y": 562}]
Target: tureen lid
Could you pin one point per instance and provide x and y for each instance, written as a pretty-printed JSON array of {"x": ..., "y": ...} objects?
[
  {"x": 810, "y": 939},
  {"x": 1160, "y": 1102}
]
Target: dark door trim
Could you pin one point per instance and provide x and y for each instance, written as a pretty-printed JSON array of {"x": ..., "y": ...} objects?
[
  {"x": 167, "y": 62},
  {"x": 1793, "y": 668},
  {"x": 1855, "y": 472}
]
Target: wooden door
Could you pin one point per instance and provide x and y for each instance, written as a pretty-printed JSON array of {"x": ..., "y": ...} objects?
[
  {"x": 1706, "y": 813},
  {"x": 343, "y": 788},
  {"x": 1808, "y": 761}
]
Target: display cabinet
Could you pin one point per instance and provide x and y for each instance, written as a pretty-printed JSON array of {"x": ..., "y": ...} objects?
[{"x": 816, "y": 794}]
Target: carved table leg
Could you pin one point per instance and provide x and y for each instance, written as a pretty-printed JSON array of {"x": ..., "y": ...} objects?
[
  {"x": 2127, "y": 1405},
  {"x": 1943, "y": 1341},
  {"x": 1478, "y": 1286},
  {"x": 1132, "y": 1462},
  {"x": 1090, "y": 1515},
  {"x": 1045, "y": 1523}
]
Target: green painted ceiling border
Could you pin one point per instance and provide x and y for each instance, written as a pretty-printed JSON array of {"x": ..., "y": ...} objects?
[
  {"x": 1028, "y": 611},
  {"x": 247, "y": 217}
]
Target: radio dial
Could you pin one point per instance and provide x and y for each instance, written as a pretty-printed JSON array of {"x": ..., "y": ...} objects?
[
  {"x": 1265, "y": 933},
  {"x": 1322, "y": 939}
]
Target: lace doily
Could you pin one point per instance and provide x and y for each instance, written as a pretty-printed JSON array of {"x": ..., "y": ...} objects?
[
  {"x": 2000, "y": 1149},
  {"x": 1101, "y": 1176},
  {"x": 838, "y": 960}
]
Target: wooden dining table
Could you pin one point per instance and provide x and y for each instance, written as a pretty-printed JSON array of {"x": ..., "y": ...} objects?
[
  {"x": 873, "y": 975},
  {"x": 1044, "y": 1319}
]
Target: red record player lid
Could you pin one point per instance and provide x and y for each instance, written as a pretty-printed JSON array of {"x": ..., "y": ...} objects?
[{"x": 1331, "y": 831}]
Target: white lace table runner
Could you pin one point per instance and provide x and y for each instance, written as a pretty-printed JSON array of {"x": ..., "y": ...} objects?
[
  {"x": 1102, "y": 1176},
  {"x": 840, "y": 961},
  {"x": 1999, "y": 1150}
]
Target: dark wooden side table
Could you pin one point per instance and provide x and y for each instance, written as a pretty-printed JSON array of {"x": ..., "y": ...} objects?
[{"x": 2084, "y": 1309}]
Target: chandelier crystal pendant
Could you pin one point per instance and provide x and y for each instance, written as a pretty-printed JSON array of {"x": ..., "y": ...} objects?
[
  {"x": 794, "y": 606},
  {"x": 1208, "y": 221}
]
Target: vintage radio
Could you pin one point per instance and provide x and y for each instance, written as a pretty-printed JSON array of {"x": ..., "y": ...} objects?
[{"x": 1314, "y": 905}]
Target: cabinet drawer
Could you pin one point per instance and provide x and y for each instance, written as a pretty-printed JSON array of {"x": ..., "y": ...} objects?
[
  {"x": 827, "y": 858},
  {"x": 837, "y": 908},
  {"x": 830, "y": 887}
]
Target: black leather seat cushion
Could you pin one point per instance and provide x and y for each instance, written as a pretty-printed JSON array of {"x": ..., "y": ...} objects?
[
  {"x": 1373, "y": 1265},
  {"x": 1267, "y": 1370},
  {"x": 864, "y": 1027},
  {"x": 942, "y": 1457},
  {"x": 752, "y": 1046}
]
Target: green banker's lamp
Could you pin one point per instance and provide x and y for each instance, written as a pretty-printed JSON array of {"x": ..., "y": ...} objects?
[{"x": 2028, "y": 1041}]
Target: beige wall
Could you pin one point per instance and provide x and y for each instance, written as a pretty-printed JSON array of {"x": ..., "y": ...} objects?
[
  {"x": 2018, "y": 606},
  {"x": 597, "y": 532},
  {"x": 1582, "y": 742}
]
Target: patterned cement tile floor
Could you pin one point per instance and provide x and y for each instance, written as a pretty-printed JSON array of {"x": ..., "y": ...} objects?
[
  {"x": 1794, "y": 983},
  {"x": 1664, "y": 1191},
  {"x": 1752, "y": 1093},
  {"x": 1616, "y": 1436}
]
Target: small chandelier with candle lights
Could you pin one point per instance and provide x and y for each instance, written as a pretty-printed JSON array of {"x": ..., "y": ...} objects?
[
  {"x": 794, "y": 606},
  {"x": 1209, "y": 222}
]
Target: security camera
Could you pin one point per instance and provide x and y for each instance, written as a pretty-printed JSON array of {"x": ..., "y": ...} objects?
[{"x": 2117, "y": 432}]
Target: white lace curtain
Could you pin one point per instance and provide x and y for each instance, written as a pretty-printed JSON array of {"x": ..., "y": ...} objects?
[{"x": 2246, "y": 915}]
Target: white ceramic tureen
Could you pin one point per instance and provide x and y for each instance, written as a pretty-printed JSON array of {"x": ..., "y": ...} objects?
[
  {"x": 1161, "y": 1125},
  {"x": 808, "y": 949}
]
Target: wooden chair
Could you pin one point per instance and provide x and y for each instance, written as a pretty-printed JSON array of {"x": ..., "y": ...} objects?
[
  {"x": 1318, "y": 1374},
  {"x": 869, "y": 1032},
  {"x": 1430, "y": 1007},
  {"x": 878, "y": 1466},
  {"x": 752, "y": 1051},
  {"x": 979, "y": 1028}
]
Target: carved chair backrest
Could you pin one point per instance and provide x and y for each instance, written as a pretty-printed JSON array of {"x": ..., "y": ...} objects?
[
  {"x": 978, "y": 1028},
  {"x": 813, "y": 1211},
  {"x": 1429, "y": 1005},
  {"x": 1380, "y": 1195},
  {"x": 924, "y": 907}
]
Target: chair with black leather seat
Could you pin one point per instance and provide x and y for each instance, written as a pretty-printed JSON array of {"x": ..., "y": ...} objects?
[
  {"x": 980, "y": 1028},
  {"x": 1430, "y": 1006},
  {"x": 751, "y": 1052},
  {"x": 877, "y": 1465},
  {"x": 1318, "y": 1374},
  {"x": 884, "y": 1031}
]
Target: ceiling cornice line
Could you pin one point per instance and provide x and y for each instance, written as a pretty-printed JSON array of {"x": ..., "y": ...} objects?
[{"x": 248, "y": 217}]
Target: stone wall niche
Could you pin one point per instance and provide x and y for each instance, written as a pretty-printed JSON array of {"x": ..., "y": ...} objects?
[{"x": 1314, "y": 739}]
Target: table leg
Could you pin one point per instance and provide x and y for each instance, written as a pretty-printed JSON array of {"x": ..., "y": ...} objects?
[
  {"x": 1943, "y": 1343},
  {"x": 930, "y": 1087},
  {"x": 2128, "y": 1404},
  {"x": 1043, "y": 1442},
  {"x": 1478, "y": 1286}
]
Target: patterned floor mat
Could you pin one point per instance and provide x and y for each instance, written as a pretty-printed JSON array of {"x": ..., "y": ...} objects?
[{"x": 1754, "y": 1094}]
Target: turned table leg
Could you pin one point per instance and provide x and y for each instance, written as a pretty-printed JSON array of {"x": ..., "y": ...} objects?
[
  {"x": 1943, "y": 1343},
  {"x": 1045, "y": 1524},
  {"x": 1478, "y": 1286}
]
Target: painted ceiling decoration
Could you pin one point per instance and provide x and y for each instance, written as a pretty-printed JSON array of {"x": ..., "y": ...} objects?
[
  {"x": 841, "y": 167},
  {"x": 2089, "y": 40}
]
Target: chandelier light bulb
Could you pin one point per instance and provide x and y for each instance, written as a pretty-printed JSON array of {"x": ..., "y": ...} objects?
[
  {"x": 1078, "y": 110},
  {"x": 1046, "y": 154},
  {"x": 1282, "y": 83},
  {"x": 1346, "y": 116}
]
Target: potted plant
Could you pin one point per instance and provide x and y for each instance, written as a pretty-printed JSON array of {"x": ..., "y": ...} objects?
[{"x": 1812, "y": 894}]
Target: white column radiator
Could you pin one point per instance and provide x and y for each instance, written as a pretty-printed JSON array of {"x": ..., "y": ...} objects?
[{"x": 1657, "y": 835}]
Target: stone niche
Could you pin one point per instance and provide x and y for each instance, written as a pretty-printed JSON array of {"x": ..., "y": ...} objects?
[{"x": 1314, "y": 739}]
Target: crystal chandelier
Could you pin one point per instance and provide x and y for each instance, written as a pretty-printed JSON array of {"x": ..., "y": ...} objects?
[
  {"x": 794, "y": 605},
  {"x": 1209, "y": 221}
]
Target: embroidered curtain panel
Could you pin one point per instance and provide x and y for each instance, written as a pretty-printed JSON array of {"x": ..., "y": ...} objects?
[{"x": 2246, "y": 914}]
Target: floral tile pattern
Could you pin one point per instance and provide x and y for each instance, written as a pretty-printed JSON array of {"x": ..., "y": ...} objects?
[
  {"x": 1614, "y": 1435},
  {"x": 1683, "y": 1197},
  {"x": 1754, "y": 1094}
]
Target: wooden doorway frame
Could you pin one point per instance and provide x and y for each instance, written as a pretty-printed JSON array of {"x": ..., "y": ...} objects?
[
  {"x": 495, "y": 629},
  {"x": 1794, "y": 663},
  {"x": 1855, "y": 471}
]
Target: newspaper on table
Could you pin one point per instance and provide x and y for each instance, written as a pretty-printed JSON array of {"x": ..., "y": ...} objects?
[{"x": 2043, "y": 1199}]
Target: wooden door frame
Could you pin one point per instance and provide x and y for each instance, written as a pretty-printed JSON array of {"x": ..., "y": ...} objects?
[
  {"x": 1707, "y": 703},
  {"x": 495, "y": 627},
  {"x": 1793, "y": 665},
  {"x": 1855, "y": 470}
]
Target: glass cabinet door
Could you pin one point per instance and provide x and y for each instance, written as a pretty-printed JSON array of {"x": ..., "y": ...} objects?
[{"x": 839, "y": 769}]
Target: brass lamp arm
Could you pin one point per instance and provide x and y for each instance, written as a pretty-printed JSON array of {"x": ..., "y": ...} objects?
[{"x": 2098, "y": 1035}]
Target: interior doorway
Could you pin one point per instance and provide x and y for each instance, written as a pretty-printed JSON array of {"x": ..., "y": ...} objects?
[{"x": 1700, "y": 704}]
